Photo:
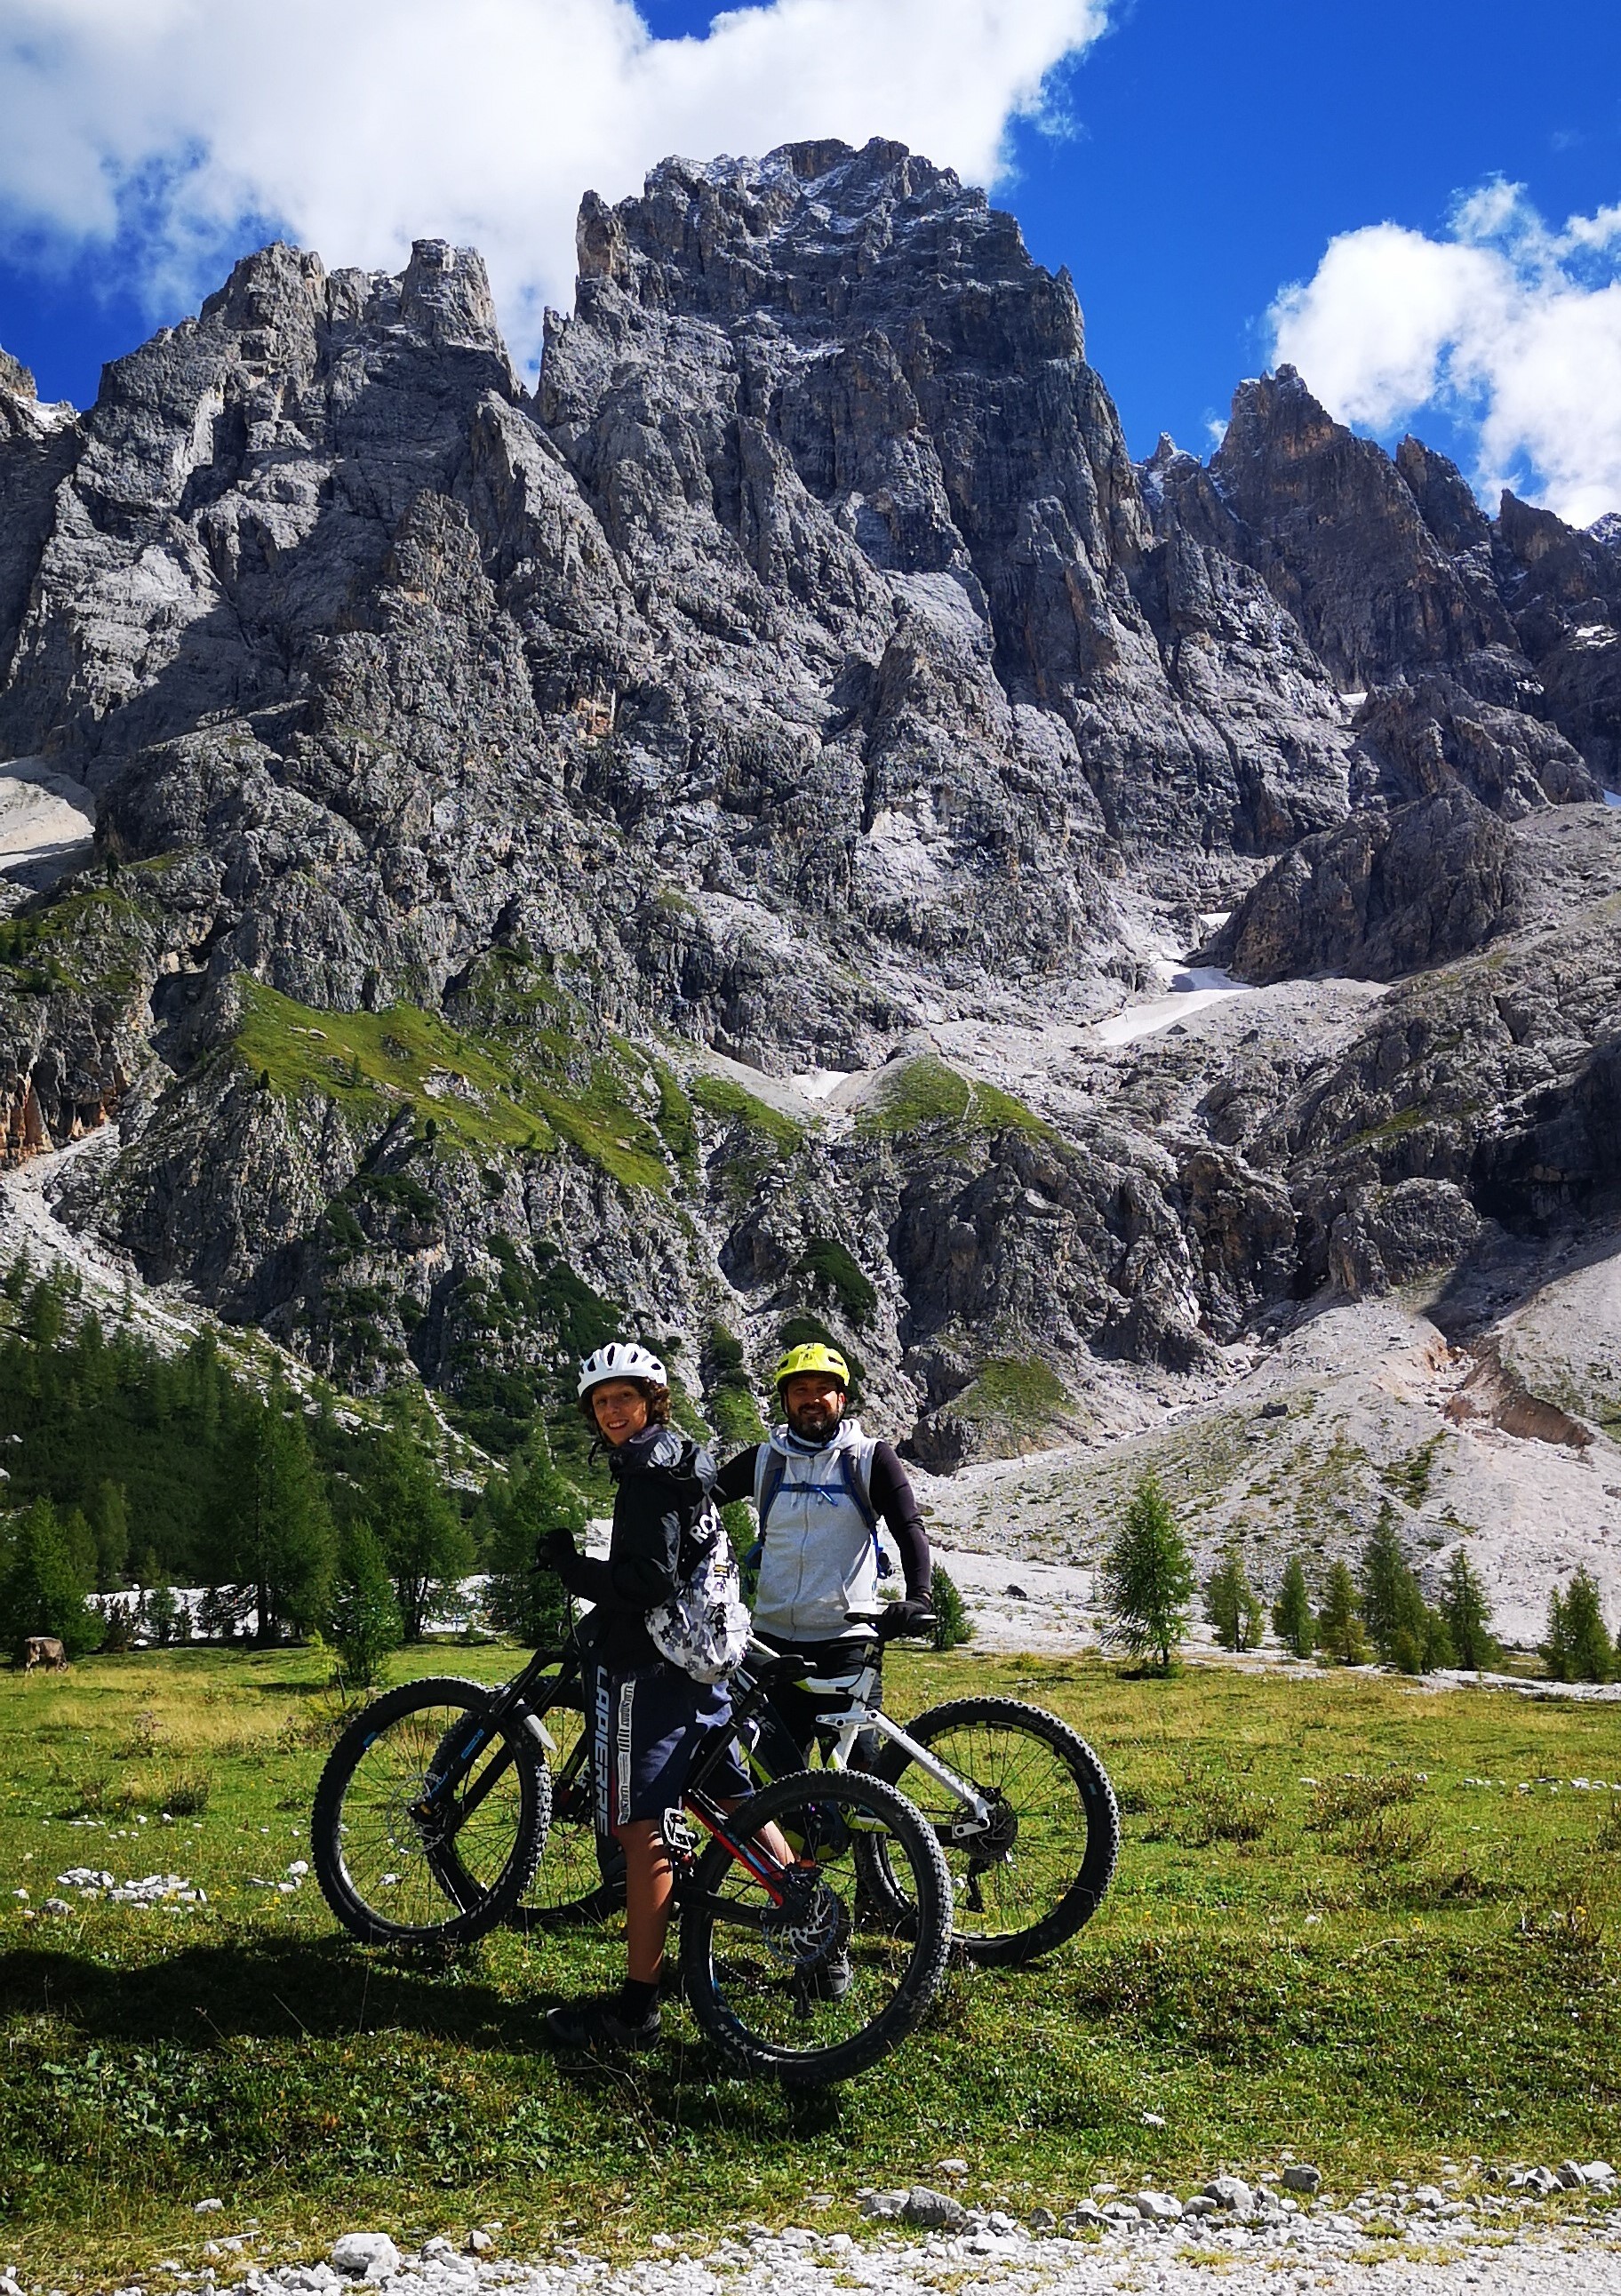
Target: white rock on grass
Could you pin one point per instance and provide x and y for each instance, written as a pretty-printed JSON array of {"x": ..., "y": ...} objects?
[
  {"x": 1231, "y": 2192},
  {"x": 939, "y": 2212},
  {"x": 365, "y": 2256},
  {"x": 1299, "y": 2176},
  {"x": 1158, "y": 2208}
]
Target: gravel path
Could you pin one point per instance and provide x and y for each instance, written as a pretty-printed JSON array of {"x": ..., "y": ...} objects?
[
  {"x": 1524, "y": 2232},
  {"x": 1571, "y": 2260}
]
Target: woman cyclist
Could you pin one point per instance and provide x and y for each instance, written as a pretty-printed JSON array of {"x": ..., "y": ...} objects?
[{"x": 646, "y": 1717}]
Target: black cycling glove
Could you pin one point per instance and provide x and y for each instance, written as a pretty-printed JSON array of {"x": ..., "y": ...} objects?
[
  {"x": 908, "y": 1617},
  {"x": 557, "y": 1551}
]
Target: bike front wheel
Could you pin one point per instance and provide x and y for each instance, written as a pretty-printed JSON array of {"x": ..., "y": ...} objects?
[
  {"x": 581, "y": 1878},
  {"x": 1033, "y": 1871},
  {"x": 399, "y": 1860},
  {"x": 796, "y": 1976}
]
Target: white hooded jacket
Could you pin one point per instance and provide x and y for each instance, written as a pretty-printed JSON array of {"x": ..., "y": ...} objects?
[{"x": 819, "y": 1557}]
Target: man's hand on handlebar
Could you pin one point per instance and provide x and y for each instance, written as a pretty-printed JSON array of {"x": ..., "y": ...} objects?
[{"x": 905, "y": 1618}]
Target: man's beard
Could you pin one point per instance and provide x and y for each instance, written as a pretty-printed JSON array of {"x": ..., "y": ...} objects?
[{"x": 813, "y": 1426}]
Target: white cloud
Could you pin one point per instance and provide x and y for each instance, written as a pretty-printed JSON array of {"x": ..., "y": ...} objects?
[
  {"x": 158, "y": 128},
  {"x": 1509, "y": 326}
]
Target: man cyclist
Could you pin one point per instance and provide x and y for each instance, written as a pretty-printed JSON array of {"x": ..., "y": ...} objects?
[{"x": 820, "y": 1487}]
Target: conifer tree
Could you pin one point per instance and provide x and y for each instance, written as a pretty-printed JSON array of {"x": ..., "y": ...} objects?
[
  {"x": 1147, "y": 1580},
  {"x": 1231, "y": 1604},
  {"x": 279, "y": 1527},
  {"x": 119, "y": 1624},
  {"x": 1291, "y": 1614},
  {"x": 520, "y": 1601},
  {"x": 42, "y": 1593},
  {"x": 110, "y": 1528},
  {"x": 1588, "y": 1651},
  {"x": 158, "y": 1608},
  {"x": 423, "y": 1537},
  {"x": 1393, "y": 1606},
  {"x": 80, "y": 1541},
  {"x": 1340, "y": 1626},
  {"x": 1556, "y": 1649},
  {"x": 365, "y": 1622},
  {"x": 954, "y": 1621}
]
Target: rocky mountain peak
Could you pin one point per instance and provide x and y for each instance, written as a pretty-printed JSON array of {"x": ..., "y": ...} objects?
[
  {"x": 825, "y": 241},
  {"x": 16, "y": 378},
  {"x": 502, "y": 800}
]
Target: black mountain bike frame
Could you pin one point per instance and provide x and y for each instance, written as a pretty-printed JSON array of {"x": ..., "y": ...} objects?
[{"x": 443, "y": 1808}]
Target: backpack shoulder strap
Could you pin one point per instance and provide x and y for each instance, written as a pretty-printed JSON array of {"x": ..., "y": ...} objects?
[
  {"x": 854, "y": 1466},
  {"x": 769, "y": 1478}
]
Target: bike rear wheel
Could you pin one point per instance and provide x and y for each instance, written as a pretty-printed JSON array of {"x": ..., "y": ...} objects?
[
  {"x": 1037, "y": 1871},
  {"x": 397, "y": 1869},
  {"x": 815, "y": 1989}
]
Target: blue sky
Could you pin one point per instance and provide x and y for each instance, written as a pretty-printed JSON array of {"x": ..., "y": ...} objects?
[{"x": 1212, "y": 156}]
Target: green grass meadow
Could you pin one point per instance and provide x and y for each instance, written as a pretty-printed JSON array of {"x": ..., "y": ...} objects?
[{"x": 1372, "y": 1923}]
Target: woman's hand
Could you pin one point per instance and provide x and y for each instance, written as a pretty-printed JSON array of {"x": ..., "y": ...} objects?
[{"x": 558, "y": 1551}]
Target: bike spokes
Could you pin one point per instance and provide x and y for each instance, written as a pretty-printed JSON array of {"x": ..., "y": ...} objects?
[{"x": 792, "y": 1974}]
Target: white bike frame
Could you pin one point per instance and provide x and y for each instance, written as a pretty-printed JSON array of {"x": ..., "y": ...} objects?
[{"x": 866, "y": 1714}]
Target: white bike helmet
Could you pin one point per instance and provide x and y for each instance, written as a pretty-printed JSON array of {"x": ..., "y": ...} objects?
[{"x": 620, "y": 1360}]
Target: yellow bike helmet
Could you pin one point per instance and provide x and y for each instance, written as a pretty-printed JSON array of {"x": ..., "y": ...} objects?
[{"x": 814, "y": 1357}]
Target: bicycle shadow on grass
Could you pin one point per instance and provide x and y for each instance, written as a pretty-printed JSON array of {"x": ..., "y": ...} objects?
[
  {"x": 206, "y": 1997},
  {"x": 270, "y": 1989}
]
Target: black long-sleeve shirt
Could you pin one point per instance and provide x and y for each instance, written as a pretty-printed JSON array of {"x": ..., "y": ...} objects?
[
  {"x": 661, "y": 1481},
  {"x": 893, "y": 1499}
]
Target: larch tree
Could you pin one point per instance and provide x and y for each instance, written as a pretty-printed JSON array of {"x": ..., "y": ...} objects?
[{"x": 1147, "y": 1581}]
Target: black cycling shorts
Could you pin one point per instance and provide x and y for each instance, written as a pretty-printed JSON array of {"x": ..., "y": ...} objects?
[{"x": 647, "y": 1728}]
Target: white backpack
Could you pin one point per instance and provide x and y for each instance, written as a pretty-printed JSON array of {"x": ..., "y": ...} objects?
[{"x": 704, "y": 1627}]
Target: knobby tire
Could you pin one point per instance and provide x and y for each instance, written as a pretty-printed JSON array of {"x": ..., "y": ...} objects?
[{"x": 384, "y": 1880}]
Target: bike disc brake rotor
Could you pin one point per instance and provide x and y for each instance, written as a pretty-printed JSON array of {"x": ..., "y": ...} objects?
[
  {"x": 989, "y": 1841},
  {"x": 809, "y": 1926}
]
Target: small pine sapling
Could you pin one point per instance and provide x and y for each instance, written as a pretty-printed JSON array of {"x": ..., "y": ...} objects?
[
  {"x": 1231, "y": 1604},
  {"x": 1147, "y": 1581},
  {"x": 1339, "y": 1628},
  {"x": 954, "y": 1621},
  {"x": 365, "y": 1623},
  {"x": 1467, "y": 1614},
  {"x": 1588, "y": 1651},
  {"x": 1393, "y": 1605}
]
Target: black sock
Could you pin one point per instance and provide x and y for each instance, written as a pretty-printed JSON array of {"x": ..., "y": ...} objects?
[{"x": 636, "y": 2000}]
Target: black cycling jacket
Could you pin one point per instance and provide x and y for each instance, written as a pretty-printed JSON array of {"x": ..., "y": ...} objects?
[{"x": 661, "y": 1483}]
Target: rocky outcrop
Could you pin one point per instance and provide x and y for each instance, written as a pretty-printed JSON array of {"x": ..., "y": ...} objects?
[
  {"x": 1385, "y": 893},
  {"x": 803, "y": 665}
]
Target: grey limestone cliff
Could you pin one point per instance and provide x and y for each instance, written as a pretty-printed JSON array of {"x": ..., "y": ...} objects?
[{"x": 496, "y": 790}]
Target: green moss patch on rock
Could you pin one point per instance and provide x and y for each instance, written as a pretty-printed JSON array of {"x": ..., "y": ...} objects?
[
  {"x": 720, "y": 1097},
  {"x": 925, "y": 1092},
  {"x": 831, "y": 1268},
  {"x": 1013, "y": 1403},
  {"x": 476, "y": 1092},
  {"x": 89, "y": 941}
]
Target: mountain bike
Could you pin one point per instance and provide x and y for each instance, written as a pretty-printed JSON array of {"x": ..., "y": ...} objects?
[
  {"x": 1020, "y": 1806},
  {"x": 433, "y": 1811}
]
